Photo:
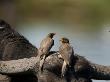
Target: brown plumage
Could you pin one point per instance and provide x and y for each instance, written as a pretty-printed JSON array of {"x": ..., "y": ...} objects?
[
  {"x": 45, "y": 47},
  {"x": 67, "y": 53}
]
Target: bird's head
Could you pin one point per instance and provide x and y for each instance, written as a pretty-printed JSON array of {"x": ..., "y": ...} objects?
[
  {"x": 3, "y": 24},
  {"x": 51, "y": 35},
  {"x": 64, "y": 40}
]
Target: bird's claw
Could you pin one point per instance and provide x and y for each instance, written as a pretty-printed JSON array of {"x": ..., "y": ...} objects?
[{"x": 59, "y": 56}]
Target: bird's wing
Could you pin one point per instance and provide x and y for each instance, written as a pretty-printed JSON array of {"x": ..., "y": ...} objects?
[
  {"x": 42, "y": 43},
  {"x": 48, "y": 45},
  {"x": 66, "y": 52}
]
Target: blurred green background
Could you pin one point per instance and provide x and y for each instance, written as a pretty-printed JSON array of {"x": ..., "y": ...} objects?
[
  {"x": 85, "y": 22},
  {"x": 86, "y": 12}
]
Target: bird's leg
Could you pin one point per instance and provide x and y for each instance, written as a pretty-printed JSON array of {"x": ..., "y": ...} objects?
[
  {"x": 41, "y": 63},
  {"x": 63, "y": 71},
  {"x": 40, "y": 53}
]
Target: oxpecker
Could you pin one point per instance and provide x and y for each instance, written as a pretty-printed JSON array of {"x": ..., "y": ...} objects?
[
  {"x": 67, "y": 53},
  {"x": 45, "y": 46}
]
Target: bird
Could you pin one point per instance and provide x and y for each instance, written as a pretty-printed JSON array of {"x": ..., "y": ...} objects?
[
  {"x": 67, "y": 53},
  {"x": 45, "y": 46}
]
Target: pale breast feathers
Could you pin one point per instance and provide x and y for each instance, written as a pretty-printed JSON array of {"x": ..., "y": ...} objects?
[{"x": 66, "y": 52}]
